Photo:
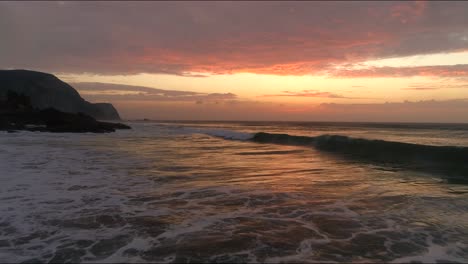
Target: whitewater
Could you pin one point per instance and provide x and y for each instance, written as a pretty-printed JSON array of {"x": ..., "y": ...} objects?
[{"x": 237, "y": 192}]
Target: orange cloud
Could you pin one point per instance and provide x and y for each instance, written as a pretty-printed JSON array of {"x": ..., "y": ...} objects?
[{"x": 308, "y": 93}]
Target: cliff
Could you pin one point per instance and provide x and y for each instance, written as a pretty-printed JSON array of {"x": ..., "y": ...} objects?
[
  {"x": 17, "y": 113},
  {"x": 47, "y": 91}
]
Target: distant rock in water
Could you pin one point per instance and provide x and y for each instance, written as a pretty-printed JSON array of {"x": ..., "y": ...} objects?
[{"x": 47, "y": 91}]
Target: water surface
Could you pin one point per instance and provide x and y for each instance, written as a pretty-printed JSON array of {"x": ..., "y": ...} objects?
[{"x": 204, "y": 192}]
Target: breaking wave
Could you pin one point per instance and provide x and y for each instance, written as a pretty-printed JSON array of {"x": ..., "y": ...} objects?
[
  {"x": 221, "y": 133},
  {"x": 370, "y": 149},
  {"x": 451, "y": 159}
]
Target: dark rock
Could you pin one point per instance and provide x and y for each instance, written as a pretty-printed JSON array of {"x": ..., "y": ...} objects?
[
  {"x": 57, "y": 121},
  {"x": 17, "y": 113},
  {"x": 47, "y": 91},
  {"x": 103, "y": 111}
]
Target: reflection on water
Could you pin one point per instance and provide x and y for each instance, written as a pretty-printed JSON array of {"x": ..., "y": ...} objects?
[{"x": 162, "y": 194}]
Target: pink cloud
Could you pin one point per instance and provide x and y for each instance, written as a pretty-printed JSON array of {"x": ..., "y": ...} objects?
[{"x": 282, "y": 38}]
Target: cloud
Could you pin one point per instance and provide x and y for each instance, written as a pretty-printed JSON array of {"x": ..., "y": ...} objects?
[
  {"x": 146, "y": 102},
  {"x": 459, "y": 70},
  {"x": 118, "y": 92},
  {"x": 306, "y": 93},
  {"x": 435, "y": 86},
  {"x": 406, "y": 12},
  {"x": 309, "y": 93},
  {"x": 407, "y": 111},
  {"x": 195, "y": 38},
  {"x": 421, "y": 88}
]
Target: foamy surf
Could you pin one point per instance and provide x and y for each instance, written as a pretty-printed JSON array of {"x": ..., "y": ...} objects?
[{"x": 171, "y": 195}]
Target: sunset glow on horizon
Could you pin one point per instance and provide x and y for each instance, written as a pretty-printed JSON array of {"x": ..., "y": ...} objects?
[{"x": 309, "y": 61}]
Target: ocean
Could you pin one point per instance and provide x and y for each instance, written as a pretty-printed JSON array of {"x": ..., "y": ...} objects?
[{"x": 228, "y": 192}]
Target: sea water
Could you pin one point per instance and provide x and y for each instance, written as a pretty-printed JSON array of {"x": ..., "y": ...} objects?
[{"x": 210, "y": 192}]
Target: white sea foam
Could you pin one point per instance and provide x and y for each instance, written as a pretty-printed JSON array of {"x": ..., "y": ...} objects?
[
  {"x": 449, "y": 253},
  {"x": 47, "y": 178}
]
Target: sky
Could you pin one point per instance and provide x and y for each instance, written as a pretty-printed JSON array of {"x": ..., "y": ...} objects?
[{"x": 388, "y": 61}]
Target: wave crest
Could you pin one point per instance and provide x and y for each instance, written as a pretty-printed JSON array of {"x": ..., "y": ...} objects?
[
  {"x": 222, "y": 133},
  {"x": 450, "y": 159}
]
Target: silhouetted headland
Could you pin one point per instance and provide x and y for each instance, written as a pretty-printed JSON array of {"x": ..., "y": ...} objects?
[{"x": 37, "y": 101}]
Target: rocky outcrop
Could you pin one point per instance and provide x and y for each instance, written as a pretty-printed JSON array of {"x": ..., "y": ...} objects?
[
  {"x": 47, "y": 91},
  {"x": 103, "y": 111},
  {"x": 17, "y": 113}
]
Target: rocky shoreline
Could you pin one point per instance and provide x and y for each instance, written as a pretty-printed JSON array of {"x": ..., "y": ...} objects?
[
  {"x": 17, "y": 114},
  {"x": 52, "y": 120}
]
